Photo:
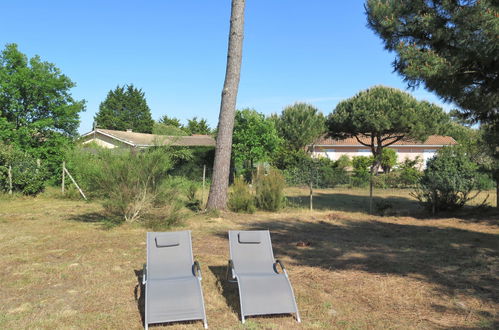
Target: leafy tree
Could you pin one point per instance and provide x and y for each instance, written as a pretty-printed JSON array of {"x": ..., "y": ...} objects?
[
  {"x": 384, "y": 116},
  {"x": 198, "y": 126},
  {"x": 125, "y": 108},
  {"x": 300, "y": 125},
  {"x": 451, "y": 48},
  {"x": 37, "y": 112},
  {"x": 255, "y": 138},
  {"x": 221, "y": 167},
  {"x": 388, "y": 159}
]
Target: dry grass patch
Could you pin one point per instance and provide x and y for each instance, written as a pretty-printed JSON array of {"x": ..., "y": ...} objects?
[{"x": 62, "y": 268}]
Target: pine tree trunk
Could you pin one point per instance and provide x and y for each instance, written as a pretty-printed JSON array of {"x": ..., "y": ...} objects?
[{"x": 221, "y": 167}]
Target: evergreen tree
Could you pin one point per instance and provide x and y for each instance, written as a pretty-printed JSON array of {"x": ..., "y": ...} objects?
[
  {"x": 198, "y": 126},
  {"x": 125, "y": 108},
  {"x": 300, "y": 124}
]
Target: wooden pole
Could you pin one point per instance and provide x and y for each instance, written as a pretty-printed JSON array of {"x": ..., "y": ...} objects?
[
  {"x": 63, "y": 177},
  {"x": 204, "y": 179},
  {"x": 10, "y": 180},
  {"x": 77, "y": 186},
  {"x": 311, "y": 196}
]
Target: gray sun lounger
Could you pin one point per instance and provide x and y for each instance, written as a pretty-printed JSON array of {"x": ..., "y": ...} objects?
[
  {"x": 262, "y": 289},
  {"x": 172, "y": 280}
]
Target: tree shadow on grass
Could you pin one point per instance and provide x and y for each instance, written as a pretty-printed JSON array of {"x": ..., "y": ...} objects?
[
  {"x": 454, "y": 259},
  {"x": 397, "y": 206},
  {"x": 229, "y": 290},
  {"x": 95, "y": 217},
  {"x": 353, "y": 202},
  {"x": 139, "y": 294}
]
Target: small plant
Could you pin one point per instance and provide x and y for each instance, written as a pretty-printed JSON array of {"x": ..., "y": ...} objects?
[
  {"x": 240, "y": 198},
  {"x": 270, "y": 190},
  {"x": 193, "y": 203}
]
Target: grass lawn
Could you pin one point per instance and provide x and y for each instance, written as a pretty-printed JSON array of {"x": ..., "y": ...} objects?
[{"x": 61, "y": 267}]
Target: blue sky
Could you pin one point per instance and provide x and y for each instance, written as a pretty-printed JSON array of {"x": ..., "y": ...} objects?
[{"x": 318, "y": 52}]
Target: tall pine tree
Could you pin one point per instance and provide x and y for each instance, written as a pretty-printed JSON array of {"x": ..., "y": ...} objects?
[{"x": 125, "y": 108}]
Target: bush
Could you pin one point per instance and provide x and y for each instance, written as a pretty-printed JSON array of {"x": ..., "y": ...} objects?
[
  {"x": 343, "y": 162},
  {"x": 27, "y": 176},
  {"x": 193, "y": 203},
  {"x": 388, "y": 159},
  {"x": 361, "y": 166},
  {"x": 240, "y": 198},
  {"x": 270, "y": 190},
  {"x": 323, "y": 172},
  {"x": 409, "y": 174},
  {"x": 448, "y": 180},
  {"x": 387, "y": 180}
]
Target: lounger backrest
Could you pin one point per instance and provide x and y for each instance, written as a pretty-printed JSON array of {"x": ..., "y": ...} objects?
[
  {"x": 251, "y": 251},
  {"x": 169, "y": 255}
]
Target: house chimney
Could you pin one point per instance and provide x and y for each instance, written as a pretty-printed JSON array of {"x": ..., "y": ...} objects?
[{"x": 129, "y": 130}]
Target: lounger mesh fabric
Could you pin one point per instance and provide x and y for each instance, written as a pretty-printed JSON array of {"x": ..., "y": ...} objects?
[
  {"x": 173, "y": 292},
  {"x": 262, "y": 290}
]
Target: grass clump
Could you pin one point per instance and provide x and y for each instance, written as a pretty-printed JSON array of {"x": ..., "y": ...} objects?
[{"x": 240, "y": 198}]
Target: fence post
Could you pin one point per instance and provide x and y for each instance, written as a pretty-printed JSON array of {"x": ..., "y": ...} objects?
[
  {"x": 311, "y": 195},
  {"x": 204, "y": 179},
  {"x": 63, "y": 176},
  {"x": 77, "y": 186},
  {"x": 10, "y": 180}
]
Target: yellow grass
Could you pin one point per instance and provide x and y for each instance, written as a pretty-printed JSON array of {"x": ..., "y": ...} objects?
[{"x": 61, "y": 267}]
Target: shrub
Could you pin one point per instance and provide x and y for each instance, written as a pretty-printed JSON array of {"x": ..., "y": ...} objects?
[
  {"x": 27, "y": 176},
  {"x": 448, "y": 180},
  {"x": 270, "y": 190},
  {"x": 130, "y": 181},
  {"x": 409, "y": 172},
  {"x": 343, "y": 162},
  {"x": 240, "y": 198},
  {"x": 193, "y": 203},
  {"x": 361, "y": 166},
  {"x": 387, "y": 180},
  {"x": 388, "y": 159}
]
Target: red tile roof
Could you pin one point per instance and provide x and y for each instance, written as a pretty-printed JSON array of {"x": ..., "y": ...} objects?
[{"x": 433, "y": 140}]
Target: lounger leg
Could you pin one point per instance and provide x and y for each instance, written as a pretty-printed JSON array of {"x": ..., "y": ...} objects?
[
  {"x": 298, "y": 319},
  {"x": 242, "y": 319}
]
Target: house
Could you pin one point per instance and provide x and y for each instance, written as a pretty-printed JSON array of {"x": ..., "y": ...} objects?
[
  {"x": 405, "y": 148},
  {"x": 110, "y": 139}
]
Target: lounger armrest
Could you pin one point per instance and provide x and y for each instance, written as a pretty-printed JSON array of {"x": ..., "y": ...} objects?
[
  {"x": 278, "y": 262},
  {"x": 144, "y": 274},
  {"x": 197, "y": 270},
  {"x": 231, "y": 271}
]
